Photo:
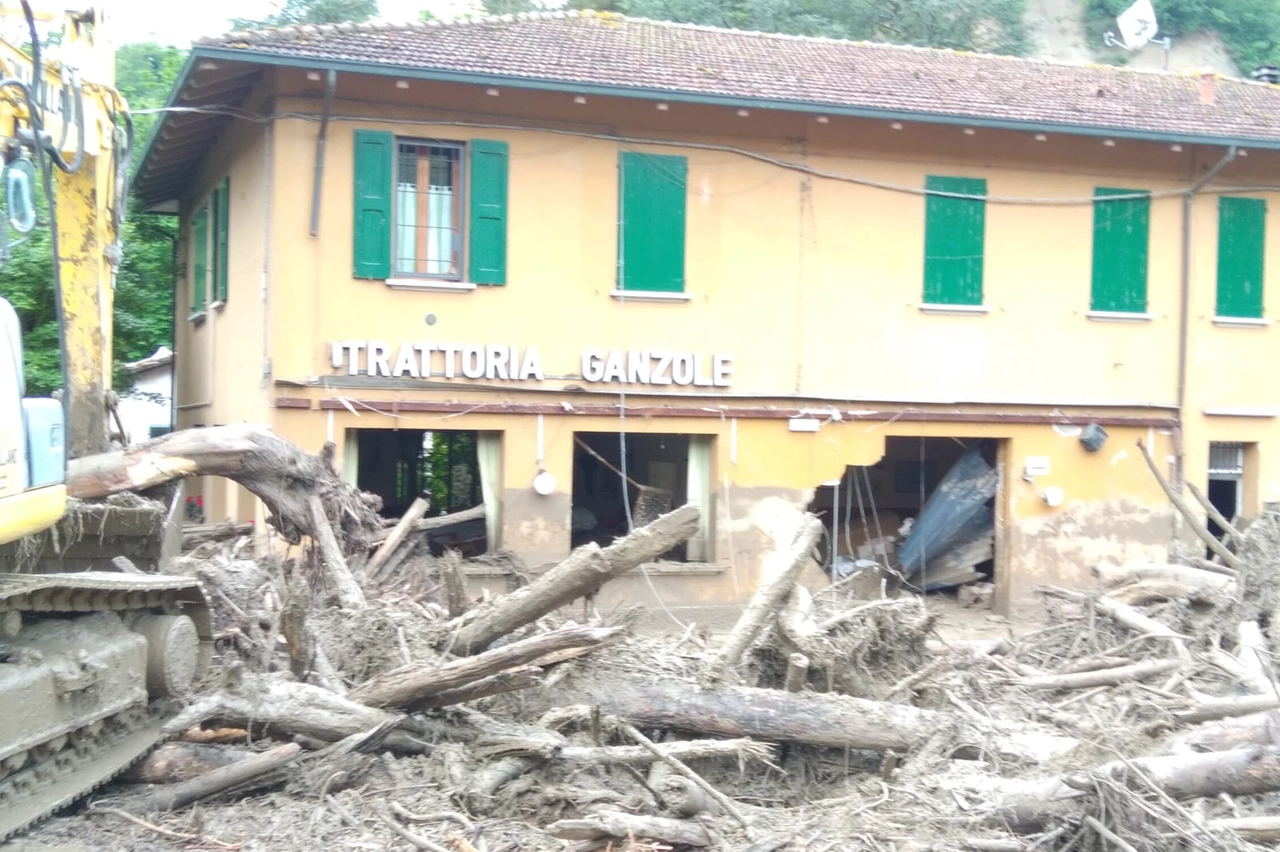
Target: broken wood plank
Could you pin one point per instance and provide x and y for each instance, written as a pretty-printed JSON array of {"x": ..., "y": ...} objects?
[
  {"x": 411, "y": 684},
  {"x": 778, "y": 578},
  {"x": 585, "y": 570},
  {"x": 395, "y": 537},
  {"x": 174, "y": 796}
]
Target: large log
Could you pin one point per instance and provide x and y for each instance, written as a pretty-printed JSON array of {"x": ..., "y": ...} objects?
[
  {"x": 178, "y": 761},
  {"x": 1225, "y": 735},
  {"x": 587, "y": 569},
  {"x": 273, "y": 469},
  {"x": 173, "y": 796},
  {"x": 821, "y": 719},
  {"x": 626, "y": 826},
  {"x": 776, "y": 582},
  {"x": 412, "y": 684},
  {"x": 289, "y": 708},
  {"x": 1196, "y": 578}
]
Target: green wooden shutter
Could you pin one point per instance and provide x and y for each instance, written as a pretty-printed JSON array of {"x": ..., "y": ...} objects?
[
  {"x": 954, "y": 233},
  {"x": 200, "y": 256},
  {"x": 223, "y": 203},
  {"x": 488, "y": 248},
  {"x": 652, "y": 226},
  {"x": 371, "y": 232},
  {"x": 1242, "y": 228},
  {"x": 1121, "y": 236}
]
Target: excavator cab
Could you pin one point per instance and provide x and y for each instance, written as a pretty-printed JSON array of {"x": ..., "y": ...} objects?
[{"x": 32, "y": 444}]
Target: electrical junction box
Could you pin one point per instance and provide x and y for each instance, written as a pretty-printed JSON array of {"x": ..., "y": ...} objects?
[{"x": 1037, "y": 465}]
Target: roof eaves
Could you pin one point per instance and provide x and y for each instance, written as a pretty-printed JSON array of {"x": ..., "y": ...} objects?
[
  {"x": 685, "y": 96},
  {"x": 179, "y": 83}
]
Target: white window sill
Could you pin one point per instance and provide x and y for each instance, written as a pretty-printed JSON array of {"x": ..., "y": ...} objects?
[
  {"x": 1241, "y": 412},
  {"x": 650, "y": 296},
  {"x": 430, "y": 285},
  {"x": 1240, "y": 322},
  {"x": 954, "y": 309},
  {"x": 217, "y": 306},
  {"x": 198, "y": 316},
  {"x": 1118, "y": 316}
]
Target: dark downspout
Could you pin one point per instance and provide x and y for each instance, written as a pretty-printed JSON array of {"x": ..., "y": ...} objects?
[
  {"x": 330, "y": 83},
  {"x": 1184, "y": 317}
]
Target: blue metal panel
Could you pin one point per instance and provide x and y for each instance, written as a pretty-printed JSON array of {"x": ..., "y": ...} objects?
[{"x": 956, "y": 512}]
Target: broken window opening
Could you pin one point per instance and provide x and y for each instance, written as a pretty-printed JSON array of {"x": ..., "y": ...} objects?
[
  {"x": 664, "y": 471},
  {"x": 926, "y": 509},
  {"x": 1226, "y": 484},
  {"x": 453, "y": 470}
]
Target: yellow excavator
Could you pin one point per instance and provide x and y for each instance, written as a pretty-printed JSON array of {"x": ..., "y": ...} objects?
[{"x": 91, "y": 661}]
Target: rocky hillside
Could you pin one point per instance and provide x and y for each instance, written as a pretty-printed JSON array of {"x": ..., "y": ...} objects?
[{"x": 1058, "y": 27}]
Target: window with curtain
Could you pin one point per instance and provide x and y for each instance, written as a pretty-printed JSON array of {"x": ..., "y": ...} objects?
[{"x": 428, "y": 210}]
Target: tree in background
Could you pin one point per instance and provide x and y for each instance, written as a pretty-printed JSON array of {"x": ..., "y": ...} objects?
[
  {"x": 294, "y": 12},
  {"x": 144, "y": 281},
  {"x": 1250, "y": 29},
  {"x": 995, "y": 26}
]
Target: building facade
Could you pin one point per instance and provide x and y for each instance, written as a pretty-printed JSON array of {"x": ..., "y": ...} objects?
[{"x": 520, "y": 261}]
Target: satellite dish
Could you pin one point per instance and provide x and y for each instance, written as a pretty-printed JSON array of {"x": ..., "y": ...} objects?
[{"x": 1137, "y": 25}]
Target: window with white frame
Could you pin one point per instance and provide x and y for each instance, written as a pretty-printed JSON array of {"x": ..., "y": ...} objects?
[{"x": 428, "y": 210}]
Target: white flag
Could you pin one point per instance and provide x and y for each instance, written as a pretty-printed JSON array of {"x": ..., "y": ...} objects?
[{"x": 1138, "y": 24}]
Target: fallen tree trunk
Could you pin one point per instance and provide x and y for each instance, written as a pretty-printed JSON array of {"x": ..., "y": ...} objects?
[
  {"x": 290, "y": 709},
  {"x": 1101, "y": 677},
  {"x": 409, "y": 685},
  {"x": 1211, "y": 709},
  {"x": 623, "y": 826},
  {"x": 273, "y": 469},
  {"x": 194, "y": 535},
  {"x": 174, "y": 796},
  {"x": 503, "y": 682},
  {"x": 439, "y": 522},
  {"x": 1264, "y": 829},
  {"x": 174, "y": 762},
  {"x": 1254, "y": 729},
  {"x": 1196, "y": 578},
  {"x": 396, "y": 537},
  {"x": 821, "y": 719},
  {"x": 348, "y": 591},
  {"x": 776, "y": 582},
  {"x": 1228, "y": 558},
  {"x": 582, "y": 574}
]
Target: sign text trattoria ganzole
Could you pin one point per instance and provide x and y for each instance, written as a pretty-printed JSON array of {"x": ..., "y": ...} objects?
[{"x": 422, "y": 359}]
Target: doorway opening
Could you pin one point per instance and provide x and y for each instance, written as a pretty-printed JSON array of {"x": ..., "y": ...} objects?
[
  {"x": 896, "y": 513},
  {"x": 453, "y": 470},
  {"x": 1226, "y": 483},
  {"x": 662, "y": 472}
]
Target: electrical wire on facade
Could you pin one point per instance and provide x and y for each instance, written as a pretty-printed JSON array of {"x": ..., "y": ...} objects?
[{"x": 792, "y": 165}]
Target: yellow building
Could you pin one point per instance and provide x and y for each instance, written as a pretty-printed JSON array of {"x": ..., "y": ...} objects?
[{"x": 507, "y": 260}]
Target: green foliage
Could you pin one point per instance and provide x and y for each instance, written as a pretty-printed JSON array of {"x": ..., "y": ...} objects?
[
  {"x": 994, "y": 26},
  {"x": 144, "y": 75},
  {"x": 144, "y": 282},
  {"x": 1250, "y": 29},
  {"x": 294, "y": 12}
]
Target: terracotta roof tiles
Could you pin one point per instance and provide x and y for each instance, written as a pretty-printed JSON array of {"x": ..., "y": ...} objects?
[{"x": 602, "y": 50}]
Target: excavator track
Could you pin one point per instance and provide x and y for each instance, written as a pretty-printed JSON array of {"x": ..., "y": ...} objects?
[{"x": 87, "y": 688}]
